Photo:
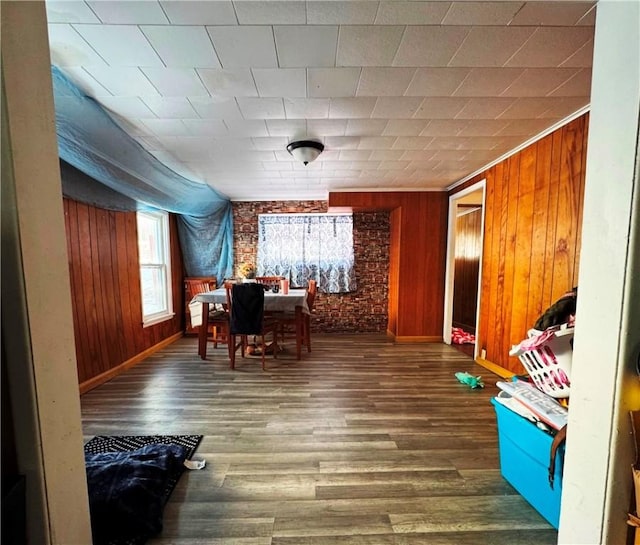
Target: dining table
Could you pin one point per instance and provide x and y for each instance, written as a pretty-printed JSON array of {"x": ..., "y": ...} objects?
[{"x": 294, "y": 301}]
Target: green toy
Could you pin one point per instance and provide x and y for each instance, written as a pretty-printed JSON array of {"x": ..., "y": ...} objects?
[{"x": 470, "y": 380}]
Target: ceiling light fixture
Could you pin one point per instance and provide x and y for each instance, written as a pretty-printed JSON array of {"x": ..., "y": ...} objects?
[{"x": 305, "y": 150}]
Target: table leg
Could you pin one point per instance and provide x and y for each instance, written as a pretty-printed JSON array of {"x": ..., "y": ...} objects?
[
  {"x": 202, "y": 332},
  {"x": 299, "y": 331}
]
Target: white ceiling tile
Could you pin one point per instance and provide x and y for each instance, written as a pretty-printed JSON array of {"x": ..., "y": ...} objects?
[
  {"x": 281, "y": 82},
  {"x": 343, "y": 142},
  {"x": 411, "y": 13},
  {"x": 551, "y": 13},
  {"x": 423, "y": 165},
  {"x": 583, "y": 58},
  {"x": 120, "y": 45},
  {"x": 355, "y": 155},
  {"x": 396, "y": 107},
  {"x": 301, "y": 46},
  {"x": 429, "y": 45},
  {"x": 565, "y": 106},
  {"x": 485, "y": 108},
  {"x": 129, "y": 12},
  {"x": 182, "y": 46},
  {"x": 166, "y": 127},
  {"x": 577, "y": 86},
  {"x": 365, "y": 127},
  {"x": 278, "y": 165},
  {"x": 341, "y": 12},
  {"x": 523, "y": 127},
  {"x": 66, "y": 11},
  {"x": 270, "y": 143},
  {"x": 448, "y": 143},
  {"x": 171, "y": 107},
  {"x": 404, "y": 127},
  {"x": 491, "y": 46},
  {"x": 384, "y": 81},
  {"x": 329, "y": 155},
  {"x": 228, "y": 83},
  {"x": 551, "y": 46},
  {"x": 418, "y": 155},
  {"x": 292, "y": 128},
  {"x": 484, "y": 82},
  {"x": 306, "y": 108},
  {"x": 261, "y": 108},
  {"x": 444, "y": 127},
  {"x": 85, "y": 82},
  {"x": 197, "y": 12},
  {"x": 412, "y": 142},
  {"x": 244, "y": 127},
  {"x": 483, "y": 127},
  {"x": 394, "y": 165},
  {"x": 481, "y": 13},
  {"x": 350, "y": 108},
  {"x": 440, "y": 108},
  {"x": 127, "y": 107},
  {"x": 589, "y": 18},
  {"x": 270, "y": 13},
  {"x": 332, "y": 82},
  {"x": 122, "y": 81},
  {"x": 436, "y": 82},
  {"x": 175, "y": 82},
  {"x": 244, "y": 46},
  {"x": 68, "y": 48},
  {"x": 368, "y": 46},
  {"x": 386, "y": 155},
  {"x": 326, "y": 127},
  {"x": 215, "y": 107},
  {"x": 528, "y": 108},
  {"x": 205, "y": 127},
  {"x": 134, "y": 127},
  {"x": 539, "y": 81}
]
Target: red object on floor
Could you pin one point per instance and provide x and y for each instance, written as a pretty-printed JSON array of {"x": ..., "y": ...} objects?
[{"x": 458, "y": 336}]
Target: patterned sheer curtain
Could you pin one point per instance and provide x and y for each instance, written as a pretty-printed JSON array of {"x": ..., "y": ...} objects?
[{"x": 301, "y": 247}]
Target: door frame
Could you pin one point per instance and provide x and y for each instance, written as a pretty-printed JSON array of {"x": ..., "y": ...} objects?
[{"x": 451, "y": 260}]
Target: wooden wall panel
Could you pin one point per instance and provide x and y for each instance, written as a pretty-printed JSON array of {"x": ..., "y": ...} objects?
[
  {"x": 467, "y": 269},
  {"x": 419, "y": 227},
  {"x": 105, "y": 288},
  {"x": 533, "y": 218}
]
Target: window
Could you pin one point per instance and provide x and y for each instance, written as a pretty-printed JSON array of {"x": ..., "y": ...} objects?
[
  {"x": 301, "y": 247},
  {"x": 155, "y": 267}
]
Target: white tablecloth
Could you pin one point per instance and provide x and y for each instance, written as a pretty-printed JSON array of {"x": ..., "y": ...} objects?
[{"x": 273, "y": 302}]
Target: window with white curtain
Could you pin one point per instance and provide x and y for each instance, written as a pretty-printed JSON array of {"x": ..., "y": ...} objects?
[
  {"x": 303, "y": 247},
  {"x": 155, "y": 266}
]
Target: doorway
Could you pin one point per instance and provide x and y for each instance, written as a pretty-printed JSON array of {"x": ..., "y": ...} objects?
[{"x": 464, "y": 268}]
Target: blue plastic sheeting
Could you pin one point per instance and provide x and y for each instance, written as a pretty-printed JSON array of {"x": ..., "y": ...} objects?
[{"x": 92, "y": 142}]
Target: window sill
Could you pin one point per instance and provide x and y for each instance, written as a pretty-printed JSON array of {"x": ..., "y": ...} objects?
[{"x": 158, "y": 318}]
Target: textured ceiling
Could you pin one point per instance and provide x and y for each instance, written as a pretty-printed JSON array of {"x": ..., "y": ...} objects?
[{"x": 404, "y": 94}]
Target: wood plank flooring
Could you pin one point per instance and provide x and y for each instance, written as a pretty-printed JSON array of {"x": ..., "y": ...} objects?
[{"x": 362, "y": 442}]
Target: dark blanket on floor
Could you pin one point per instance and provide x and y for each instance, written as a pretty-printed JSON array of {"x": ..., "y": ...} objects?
[{"x": 127, "y": 491}]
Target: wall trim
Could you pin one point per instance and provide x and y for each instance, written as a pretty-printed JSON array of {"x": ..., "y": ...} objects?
[
  {"x": 115, "y": 371},
  {"x": 495, "y": 368},
  {"x": 525, "y": 144},
  {"x": 418, "y": 339}
]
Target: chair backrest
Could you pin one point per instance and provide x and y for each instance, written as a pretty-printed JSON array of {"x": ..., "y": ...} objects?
[
  {"x": 246, "y": 304},
  {"x": 312, "y": 289},
  {"x": 269, "y": 280}
]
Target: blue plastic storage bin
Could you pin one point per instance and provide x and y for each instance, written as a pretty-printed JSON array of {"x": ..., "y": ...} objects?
[{"x": 524, "y": 462}]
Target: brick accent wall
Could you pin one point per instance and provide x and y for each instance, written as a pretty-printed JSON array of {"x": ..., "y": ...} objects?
[{"x": 362, "y": 311}]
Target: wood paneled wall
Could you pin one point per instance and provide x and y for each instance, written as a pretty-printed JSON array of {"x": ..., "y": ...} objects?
[
  {"x": 417, "y": 257},
  {"x": 105, "y": 287},
  {"x": 533, "y": 219},
  {"x": 467, "y": 268}
]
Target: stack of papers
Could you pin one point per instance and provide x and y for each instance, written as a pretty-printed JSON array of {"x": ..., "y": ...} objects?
[{"x": 543, "y": 406}]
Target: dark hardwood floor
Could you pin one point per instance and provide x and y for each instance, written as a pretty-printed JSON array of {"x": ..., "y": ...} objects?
[{"x": 361, "y": 442}]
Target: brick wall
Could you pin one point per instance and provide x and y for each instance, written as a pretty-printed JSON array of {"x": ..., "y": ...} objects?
[{"x": 364, "y": 310}]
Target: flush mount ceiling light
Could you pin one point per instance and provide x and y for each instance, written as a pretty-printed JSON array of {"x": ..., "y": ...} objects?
[{"x": 305, "y": 150}]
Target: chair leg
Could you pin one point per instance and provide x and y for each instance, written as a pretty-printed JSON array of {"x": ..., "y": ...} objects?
[
  {"x": 232, "y": 351},
  {"x": 307, "y": 333}
]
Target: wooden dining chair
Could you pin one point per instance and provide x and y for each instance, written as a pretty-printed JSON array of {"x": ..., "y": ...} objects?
[
  {"x": 300, "y": 322},
  {"x": 247, "y": 317},
  {"x": 269, "y": 280},
  {"x": 217, "y": 319}
]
